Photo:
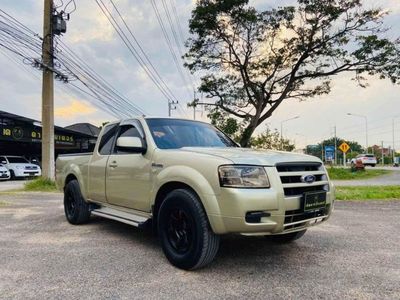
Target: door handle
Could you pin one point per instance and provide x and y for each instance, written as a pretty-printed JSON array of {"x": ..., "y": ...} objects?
[{"x": 113, "y": 164}]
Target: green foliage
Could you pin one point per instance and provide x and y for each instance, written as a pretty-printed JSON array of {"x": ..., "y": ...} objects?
[
  {"x": 316, "y": 150},
  {"x": 254, "y": 60},
  {"x": 347, "y": 174},
  {"x": 271, "y": 139},
  {"x": 40, "y": 185},
  {"x": 368, "y": 192},
  {"x": 221, "y": 120}
]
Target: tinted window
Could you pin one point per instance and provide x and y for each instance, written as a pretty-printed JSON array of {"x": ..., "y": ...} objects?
[
  {"x": 127, "y": 131},
  {"x": 174, "y": 134},
  {"x": 107, "y": 139},
  {"x": 17, "y": 160}
]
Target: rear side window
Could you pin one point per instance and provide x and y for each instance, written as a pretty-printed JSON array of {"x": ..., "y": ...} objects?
[{"x": 107, "y": 139}]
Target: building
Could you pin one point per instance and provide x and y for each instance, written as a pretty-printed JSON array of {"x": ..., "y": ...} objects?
[{"x": 22, "y": 136}]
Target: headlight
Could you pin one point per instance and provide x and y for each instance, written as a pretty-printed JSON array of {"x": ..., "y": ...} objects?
[{"x": 243, "y": 176}]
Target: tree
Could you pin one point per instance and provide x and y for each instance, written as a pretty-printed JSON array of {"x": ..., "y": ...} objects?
[
  {"x": 316, "y": 150},
  {"x": 271, "y": 139},
  {"x": 253, "y": 60}
]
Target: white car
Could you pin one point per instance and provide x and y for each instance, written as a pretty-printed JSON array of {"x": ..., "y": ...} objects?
[
  {"x": 367, "y": 159},
  {"x": 20, "y": 167},
  {"x": 4, "y": 173}
]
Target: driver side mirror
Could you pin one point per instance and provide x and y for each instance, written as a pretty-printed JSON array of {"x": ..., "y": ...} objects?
[
  {"x": 131, "y": 144},
  {"x": 3, "y": 162}
]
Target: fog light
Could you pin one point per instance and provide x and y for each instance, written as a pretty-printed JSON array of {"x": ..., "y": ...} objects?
[{"x": 255, "y": 216}]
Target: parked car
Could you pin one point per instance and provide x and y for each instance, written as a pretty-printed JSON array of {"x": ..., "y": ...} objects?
[
  {"x": 366, "y": 159},
  {"x": 191, "y": 183},
  {"x": 20, "y": 167},
  {"x": 4, "y": 173}
]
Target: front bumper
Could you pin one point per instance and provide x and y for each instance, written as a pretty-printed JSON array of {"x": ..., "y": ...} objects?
[
  {"x": 284, "y": 214},
  {"x": 5, "y": 175},
  {"x": 27, "y": 173}
]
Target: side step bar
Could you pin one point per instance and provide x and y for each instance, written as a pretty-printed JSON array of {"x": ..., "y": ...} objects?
[{"x": 121, "y": 216}]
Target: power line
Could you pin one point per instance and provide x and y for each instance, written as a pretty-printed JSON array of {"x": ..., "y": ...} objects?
[
  {"x": 20, "y": 40},
  {"x": 150, "y": 71},
  {"x": 168, "y": 40}
]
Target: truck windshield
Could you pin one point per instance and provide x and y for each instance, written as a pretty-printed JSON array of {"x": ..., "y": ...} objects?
[
  {"x": 174, "y": 134},
  {"x": 17, "y": 160}
]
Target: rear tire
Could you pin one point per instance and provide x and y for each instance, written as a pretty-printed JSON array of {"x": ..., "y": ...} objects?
[
  {"x": 75, "y": 208},
  {"x": 186, "y": 237},
  {"x": 288, "y": 237},
  {"x": 12, "y": 175}
]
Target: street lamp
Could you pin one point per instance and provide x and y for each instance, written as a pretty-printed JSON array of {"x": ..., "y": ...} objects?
[
  {"x": 296, "y": 117},
  {"x": 366, "y": 128}
]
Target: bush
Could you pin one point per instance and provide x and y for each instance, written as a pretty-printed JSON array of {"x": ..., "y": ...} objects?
[{"x": 41, "y": 185}]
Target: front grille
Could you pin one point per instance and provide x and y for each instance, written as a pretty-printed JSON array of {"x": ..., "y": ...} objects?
[
  {"x": 30, "y": 168},
  {"x": 291, "y": 177}
]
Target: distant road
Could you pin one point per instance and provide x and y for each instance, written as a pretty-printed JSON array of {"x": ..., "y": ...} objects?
[
  {"x": 11, "y": 185},
  {"x": 390, "y": 179}
]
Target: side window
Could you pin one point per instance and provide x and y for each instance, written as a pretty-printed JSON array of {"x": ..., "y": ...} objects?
[
  {"x": 127, "y": 131},
  {"x": 2, "y": 158},
  {"x": 107, "y": 140}
]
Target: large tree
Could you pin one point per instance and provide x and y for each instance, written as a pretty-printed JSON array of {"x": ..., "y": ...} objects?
[{"x": 251, "y": 61}]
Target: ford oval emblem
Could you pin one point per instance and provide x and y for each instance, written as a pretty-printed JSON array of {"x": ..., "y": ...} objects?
[{"x": 308, "y": 178}]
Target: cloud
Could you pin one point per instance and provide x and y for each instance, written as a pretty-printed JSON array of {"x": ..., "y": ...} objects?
[{"x": 75, "y": 108}]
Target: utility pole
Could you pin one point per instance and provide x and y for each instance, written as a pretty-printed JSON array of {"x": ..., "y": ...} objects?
[
  {"x": 48, "y": 94},
  {"x": 383, "y": 156},
  {"x": 194, "y": 104},
  {"x": 393, "y": 149},
  {"x": 335, "y": 146},
  {"x": 171, "y": 106}
]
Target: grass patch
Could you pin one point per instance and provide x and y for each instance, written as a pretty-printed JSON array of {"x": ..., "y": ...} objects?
[
  {"x": 368, "y": 192},
  {"x": 347, "y": 174},
  {"x": 40, "y": 185},
  {"x": 3, "y": 203}
]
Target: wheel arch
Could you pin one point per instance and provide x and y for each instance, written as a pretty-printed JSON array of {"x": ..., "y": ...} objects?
[{"x": 168, "y": 187}]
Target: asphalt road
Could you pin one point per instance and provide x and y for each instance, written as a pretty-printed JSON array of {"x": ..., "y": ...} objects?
[{"x": 355, "y": 255}]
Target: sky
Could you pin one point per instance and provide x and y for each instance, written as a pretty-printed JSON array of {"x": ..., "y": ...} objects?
[{"x": 93, "y": 39}]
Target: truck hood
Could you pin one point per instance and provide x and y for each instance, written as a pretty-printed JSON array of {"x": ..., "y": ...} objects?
[{"x": 252, "y": 156}]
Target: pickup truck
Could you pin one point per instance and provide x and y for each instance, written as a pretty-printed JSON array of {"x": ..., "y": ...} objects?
[{"x": 191, "y": 183}]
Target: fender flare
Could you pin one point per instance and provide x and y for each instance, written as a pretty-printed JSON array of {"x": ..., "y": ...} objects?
[{"x": 191, "y": 178}]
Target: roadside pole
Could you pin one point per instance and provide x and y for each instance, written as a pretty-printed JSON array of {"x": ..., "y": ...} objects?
[
  {"x": 383, "y": 157},
  {"x": 171, "y": 106},
  {"x": 48, "y": 95},
  {"x": 335, "y": 147},
  {"x": 344, "y": 159}
]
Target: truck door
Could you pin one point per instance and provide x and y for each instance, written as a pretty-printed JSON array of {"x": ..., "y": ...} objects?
[
  {"x": 98, "y": 164},
  {"x": 128, "y": 179}
]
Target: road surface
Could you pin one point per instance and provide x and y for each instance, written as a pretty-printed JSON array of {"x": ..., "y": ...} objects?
[{"x": 355, "y": 255}]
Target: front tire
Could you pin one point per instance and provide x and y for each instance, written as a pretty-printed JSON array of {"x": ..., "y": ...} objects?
[
  {"x": 288, "y": 237},
  {"x": 75, "y": 208},
  {"x": 186, "y": 237}
]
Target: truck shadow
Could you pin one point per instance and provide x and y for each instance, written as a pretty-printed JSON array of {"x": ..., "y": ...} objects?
[{"x": 239, "y": 252}]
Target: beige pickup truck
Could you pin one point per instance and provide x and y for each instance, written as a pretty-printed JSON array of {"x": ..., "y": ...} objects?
[{"x": 191, "y": 183}]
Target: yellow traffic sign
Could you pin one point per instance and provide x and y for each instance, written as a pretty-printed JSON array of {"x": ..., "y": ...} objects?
[{"x": 344, "y": 147}]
